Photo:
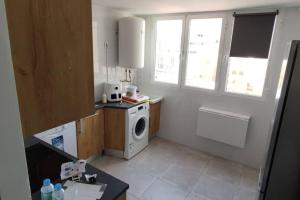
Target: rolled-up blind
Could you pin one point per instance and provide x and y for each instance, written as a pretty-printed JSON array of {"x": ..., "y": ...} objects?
[{"x": 252, "y": 34}]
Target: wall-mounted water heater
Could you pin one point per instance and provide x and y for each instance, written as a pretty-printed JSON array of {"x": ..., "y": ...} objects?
[{"x": 131, "y": 42}]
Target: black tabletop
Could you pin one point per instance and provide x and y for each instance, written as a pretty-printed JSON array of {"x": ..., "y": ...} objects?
[{"x": 34, "y": 146}]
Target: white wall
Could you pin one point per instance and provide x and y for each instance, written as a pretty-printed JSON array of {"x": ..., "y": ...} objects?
[
  {"x": 14, "y": 183},
  {"x": 291, "y": 28},
  {"x": 107, "y": 28},
  {"x": 179, "y": 109}
]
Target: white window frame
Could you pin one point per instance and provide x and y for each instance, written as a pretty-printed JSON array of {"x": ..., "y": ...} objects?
[
  {"x": 153, "y": 49},
  {"x": 225, "y": 44},
  {"x": 220, "y": 54}
]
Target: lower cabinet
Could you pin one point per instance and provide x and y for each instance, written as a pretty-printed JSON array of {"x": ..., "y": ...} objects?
[
  {"x": 122, "y": 197},
  {"x": 93, "y": 130},
  {"x": 154, "y": 117},
  {"x": 90, "y": 135},
  {"x": 114, "y": 129}
]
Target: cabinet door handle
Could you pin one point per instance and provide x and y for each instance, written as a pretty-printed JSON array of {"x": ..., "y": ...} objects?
[{"x": 81, "y": 126}]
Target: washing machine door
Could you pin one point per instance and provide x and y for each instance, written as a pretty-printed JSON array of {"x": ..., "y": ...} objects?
[{"x": 140, "y": 127}]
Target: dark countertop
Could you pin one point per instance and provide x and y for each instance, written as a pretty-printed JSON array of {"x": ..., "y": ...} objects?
[
  {"x": 44, "y": 161},
  {"x": 124, "y": 105},
  {"x": 117, "y": 105}
]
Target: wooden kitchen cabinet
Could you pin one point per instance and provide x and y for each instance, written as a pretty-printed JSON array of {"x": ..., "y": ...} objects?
[
  {"x": 90, "y": 135},
  {"x": 154, "y": 118},
  {"x": 114, "y": 129},
  {"x": 51, "y": 45},
  {"x": 122, "y": 197}
]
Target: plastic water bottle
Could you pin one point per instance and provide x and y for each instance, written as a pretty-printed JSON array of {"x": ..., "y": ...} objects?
[
  {"x": 104, "y": 98},
  {"x": 58, "y": 193},
  {"x": 47, "y": 189}
]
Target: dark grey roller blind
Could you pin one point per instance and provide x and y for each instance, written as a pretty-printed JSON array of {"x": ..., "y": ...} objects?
[{"x": 252, "y": 34}]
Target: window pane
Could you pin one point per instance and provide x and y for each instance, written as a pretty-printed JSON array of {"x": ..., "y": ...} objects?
[
  {"x": 246, "y": 75},
  {"x": 203, "y": 52},
  {"x": 168, "y": 48}
]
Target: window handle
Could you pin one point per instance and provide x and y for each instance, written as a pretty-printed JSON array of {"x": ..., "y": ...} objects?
[{"x": 182, "y": 54}]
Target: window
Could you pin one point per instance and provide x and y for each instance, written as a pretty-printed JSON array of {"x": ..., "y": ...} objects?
[
  {"x": 194, "y": 59},
  {"x": 168, "y": 50},
  {"x": 246, "y": 75},
  {"x": 203, "y": 52},
  {"x": 248, "y": 61}
]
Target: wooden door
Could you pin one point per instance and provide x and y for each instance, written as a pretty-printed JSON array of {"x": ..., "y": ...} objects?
[
  {"x": 99, "y": 131},
  {"x": 114, "y": 129},
  {"x": 154, "y": 119},
  {"x": 51, "y": 44},
  {"x": 90, "y": 135}
]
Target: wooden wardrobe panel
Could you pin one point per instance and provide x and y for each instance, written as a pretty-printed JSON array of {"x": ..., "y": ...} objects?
[{"x": 51, "y": 43}]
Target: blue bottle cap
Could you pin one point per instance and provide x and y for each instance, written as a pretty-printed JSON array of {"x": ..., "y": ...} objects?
[
  {"x": 57, "y": 187},
  {"x": 46, "y": 182}
]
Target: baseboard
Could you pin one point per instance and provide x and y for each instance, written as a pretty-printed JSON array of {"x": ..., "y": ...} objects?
[
  {"x": 113, "y": 152},
  {"x": 94, "y": 157}
]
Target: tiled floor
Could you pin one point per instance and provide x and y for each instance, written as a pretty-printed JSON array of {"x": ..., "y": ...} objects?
[{"x": 169, "y": 171}]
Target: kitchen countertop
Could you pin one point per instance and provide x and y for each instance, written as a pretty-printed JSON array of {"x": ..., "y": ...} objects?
[
  {"x": 154, "y": 100},
  {"x": 124, "y": 105},
  {"x": 36, "y": 148},
  {"x": 118, "y": 105}
]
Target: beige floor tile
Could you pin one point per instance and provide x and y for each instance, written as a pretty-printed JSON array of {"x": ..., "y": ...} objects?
[
  {"x": 249, "y": 178},
  {"x": 225, "y": 170},
  {"x": 169, "y": 151},
  {"x": 245, "y": 194},
  {"x": 161, "y": 190},
  {"x": 215, "y": 189},
  {"x": 193, "y": 162},
  {"x": 166, "y": 170},
  {"x": 156, "y": 164},
  {"x": 109, "y": 163},
  {"x": 191, "y": 151},
  {"x": 138, "y": 181},
  {"x": 131, "y": 197},
  {"x": 193, "y": 196},
  {"x": 183, "y": 177}
]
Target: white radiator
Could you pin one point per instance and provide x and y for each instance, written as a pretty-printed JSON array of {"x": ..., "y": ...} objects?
[{"x": 222, "y": 126}]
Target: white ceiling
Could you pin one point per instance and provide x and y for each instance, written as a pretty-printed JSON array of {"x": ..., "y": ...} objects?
[{"x": 174, "y": 6}]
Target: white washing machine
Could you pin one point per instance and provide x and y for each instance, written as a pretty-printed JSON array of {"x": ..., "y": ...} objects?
[{"x": 137, "y": 128}]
